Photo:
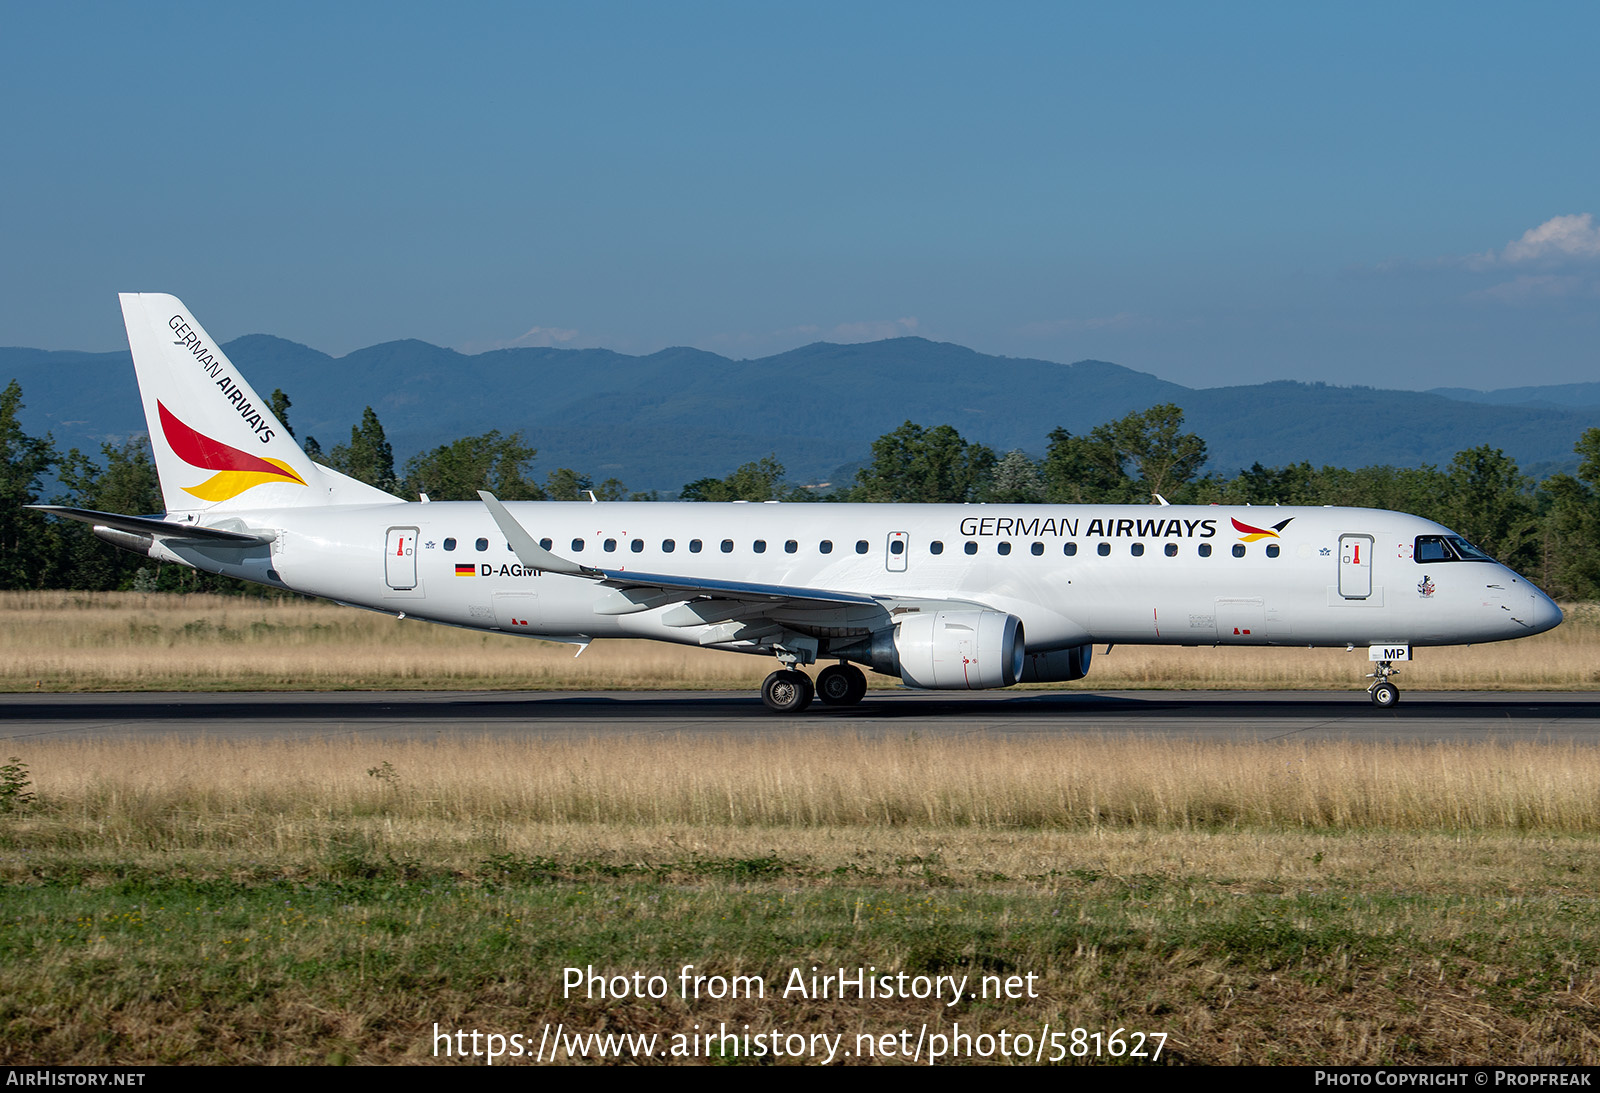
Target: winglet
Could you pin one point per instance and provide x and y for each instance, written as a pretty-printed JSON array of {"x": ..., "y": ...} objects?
[{"x": 529, "y": 552}]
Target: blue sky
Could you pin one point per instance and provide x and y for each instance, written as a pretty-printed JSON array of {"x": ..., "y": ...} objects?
[{"x": 1393, "y": 195}]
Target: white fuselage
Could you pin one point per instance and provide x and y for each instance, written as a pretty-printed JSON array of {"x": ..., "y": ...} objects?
[{"x": 1172, "y": 575}]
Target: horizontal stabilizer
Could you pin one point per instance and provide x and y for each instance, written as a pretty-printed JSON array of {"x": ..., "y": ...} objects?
[{"x": 153, "y": 525}]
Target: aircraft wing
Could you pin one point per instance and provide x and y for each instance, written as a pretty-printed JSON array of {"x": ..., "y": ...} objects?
[
  {"x": 640, "y": 591},
  {"x": 738, "y": 590},
  {"x": 152, "y": 525}
]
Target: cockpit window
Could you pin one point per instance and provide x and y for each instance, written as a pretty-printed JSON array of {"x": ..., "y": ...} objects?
[
  {"x": 1432, "y": 549},
  {"x": 1468, "y": 552}
]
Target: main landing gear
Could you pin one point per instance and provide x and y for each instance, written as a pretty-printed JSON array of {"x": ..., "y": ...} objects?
[
  {"x": 789, "y": 690},
  {"x": 1384, "y": 693},
  {"x": 841, "y": 685}
]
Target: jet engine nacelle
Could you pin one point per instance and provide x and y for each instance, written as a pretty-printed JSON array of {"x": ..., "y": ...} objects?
[
  {"x": 958, "y": 650},
  {"x": 1061, "y": 666}
]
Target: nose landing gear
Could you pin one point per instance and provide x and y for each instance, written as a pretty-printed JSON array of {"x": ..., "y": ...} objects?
[{"x": 1384, "y": 693}]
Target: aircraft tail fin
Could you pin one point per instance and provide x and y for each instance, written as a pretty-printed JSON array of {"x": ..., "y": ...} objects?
[{"x": 217, "y": 444}]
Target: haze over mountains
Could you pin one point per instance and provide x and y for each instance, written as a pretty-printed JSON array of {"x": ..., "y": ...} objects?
[{"x": 659, "y": 421}]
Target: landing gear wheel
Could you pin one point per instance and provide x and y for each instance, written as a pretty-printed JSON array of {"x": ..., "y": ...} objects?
[
  {"x": 787, "y": 691},
  {"x": 1384, "y": 694},
  {"x": 841, "y": 685}
]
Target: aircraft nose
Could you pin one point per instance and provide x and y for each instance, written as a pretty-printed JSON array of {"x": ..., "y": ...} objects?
[{"x": 1546, "y": 615}]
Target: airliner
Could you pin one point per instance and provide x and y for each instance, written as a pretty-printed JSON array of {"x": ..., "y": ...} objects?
[{"x": 945, "y": 597}]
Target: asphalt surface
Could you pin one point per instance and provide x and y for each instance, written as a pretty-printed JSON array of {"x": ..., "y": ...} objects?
[{"x": 401, "y": 715}]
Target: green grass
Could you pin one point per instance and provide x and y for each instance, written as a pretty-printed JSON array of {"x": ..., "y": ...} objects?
[{"x": 357, "y": 955}]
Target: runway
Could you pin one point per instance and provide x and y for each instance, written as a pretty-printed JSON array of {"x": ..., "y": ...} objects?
[{"x": 401, "y": 715}]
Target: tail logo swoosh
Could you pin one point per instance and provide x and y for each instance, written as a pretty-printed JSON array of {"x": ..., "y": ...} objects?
[{"x": 237, "y": 471}]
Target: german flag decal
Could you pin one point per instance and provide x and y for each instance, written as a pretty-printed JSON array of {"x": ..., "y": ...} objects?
[
  {"x": 465, "y": 569},
  {"x": 1248, "y": 534},
  {"x": 236, "y": 471}
]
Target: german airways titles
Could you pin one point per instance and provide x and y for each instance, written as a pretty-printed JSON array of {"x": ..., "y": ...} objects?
[
  {"x": 939, "y": 596},
  {"x": 1097, "y": 527}
]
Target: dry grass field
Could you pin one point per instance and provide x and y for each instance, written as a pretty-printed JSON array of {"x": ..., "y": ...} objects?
[
  {"x": 160, "y": 793},
  {"x": 69, "y": 641}
]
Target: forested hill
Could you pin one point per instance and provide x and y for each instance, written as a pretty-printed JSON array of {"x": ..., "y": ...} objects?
[
  {"x": 1561, "y": 394},
  {"x": 661, "y": 420}
]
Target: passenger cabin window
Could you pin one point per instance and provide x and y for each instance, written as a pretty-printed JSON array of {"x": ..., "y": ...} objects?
[
  {"x": 861, "y": 546},
  {"x": 1103, "y": 549},
  {"x": 1171, "y": 550},
  {"x": 825, "y": 547},
  {"x": 790, "y": 546},
  {"x": 449, "y": 544},
  {"x": 546, "y": 543},
  {"x": 759, "y": 546},
  {"x": 936, "y": 547},
  {"x": 1069, "y": 549},
  {"x": 577, "y": 546},
  {"x": 1272, "y": 550},
  {"x": 668, "y": 546},
  {"x": 637, "y": 546},
  {"x": 694, "y": 546},
  {"x": 611, "y": 545},
  {"x": 1137, "y": 550},
  {"x": 1205, "y": 550},
  {"x": 727, "y": 546},
  {"x": 1238, "y": 550},
  {"x": 971, "y": 547},
  {"x": 482, "y": 544},
  {"x": 1003, "y": 548},
  {"x": 897, "y": 547},
  {"x": 1037, "y": 548}
]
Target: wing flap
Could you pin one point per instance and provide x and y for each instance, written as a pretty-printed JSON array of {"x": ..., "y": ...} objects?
[{"x": 743, "y": 591}]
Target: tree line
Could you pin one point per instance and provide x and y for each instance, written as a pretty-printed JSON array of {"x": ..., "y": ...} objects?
[{"x": 1549, "y": 531}]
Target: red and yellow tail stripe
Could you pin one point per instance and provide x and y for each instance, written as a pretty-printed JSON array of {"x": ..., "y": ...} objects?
[{"x": 237, "y": 471}]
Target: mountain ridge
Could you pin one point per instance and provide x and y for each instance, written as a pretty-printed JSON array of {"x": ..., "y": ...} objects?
[{"x": 659, "y": 420}]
